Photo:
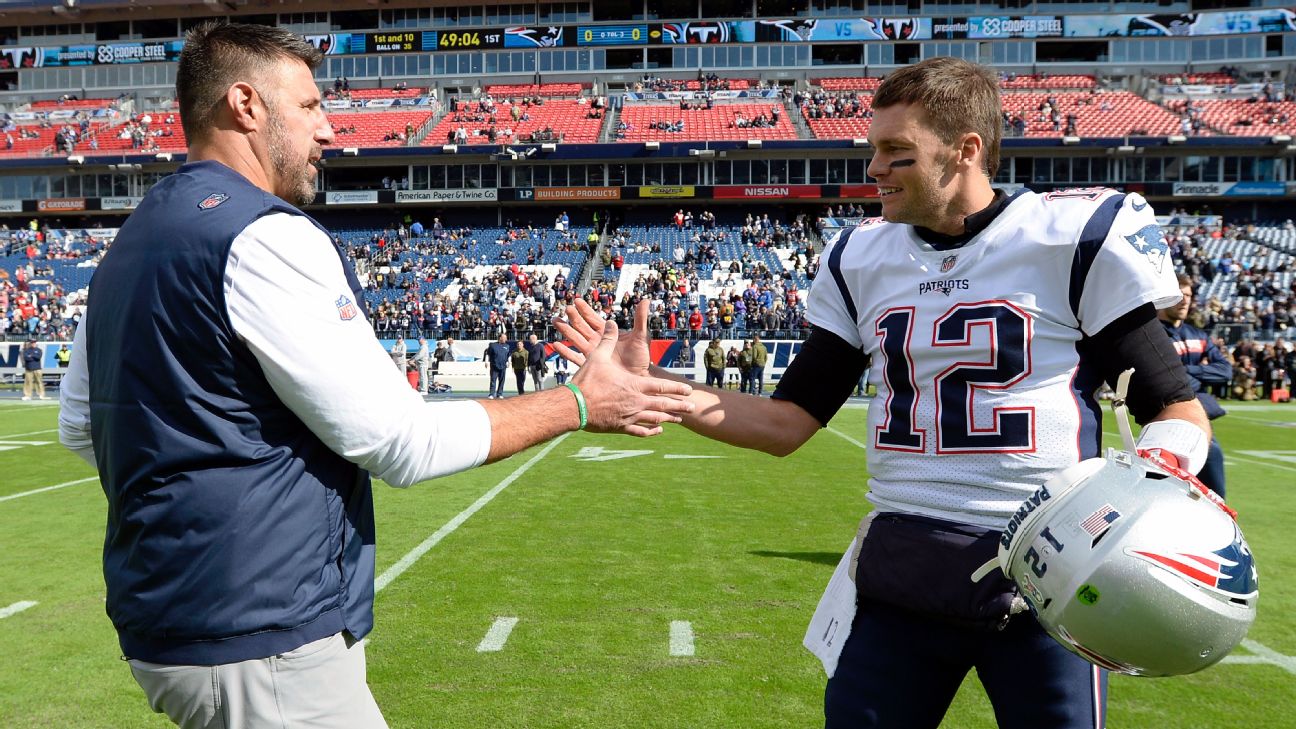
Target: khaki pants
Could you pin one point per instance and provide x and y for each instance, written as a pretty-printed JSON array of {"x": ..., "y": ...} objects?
[
  {"x": 33, "y": 379},
  {"x": 320, "y": 685}
]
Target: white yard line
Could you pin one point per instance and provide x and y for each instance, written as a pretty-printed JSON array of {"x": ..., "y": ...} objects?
[
  {"x": 1233, "y": 457},
  {"x": 414, "y": 554},
  {"x": 497, "y": 636},
  {"x": 847, "y": 438},
  {"x": 681, "y": 638},
  {"x": 1264, "y": 654},
  {"x": 34, "y": 432},
  {"x": 16, "y": 608},
  {"x": 10, "y": 497}
]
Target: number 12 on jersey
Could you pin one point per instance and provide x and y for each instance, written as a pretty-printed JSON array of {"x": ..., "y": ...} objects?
[{"x": 1010, "y": 430}]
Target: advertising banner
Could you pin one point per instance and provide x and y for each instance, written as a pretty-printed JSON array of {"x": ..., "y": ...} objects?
[
  {"x": 577, "y": 193},
  {"x": 667, "y": 191},
  {"x": 119, "y": 203},
  {"x": 859, "y": 191},
  {"x": 749, "y": 192},
  {"x": 351, "y": 197},
  {"x": 10, "y": 206},
  {"x": 489, "y": 194},
  {"x": 1232, "y": 189},
  {"x": 61, "y": 204}
]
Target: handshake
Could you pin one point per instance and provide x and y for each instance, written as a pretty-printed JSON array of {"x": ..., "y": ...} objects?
[{"x": 615, "y": 386}]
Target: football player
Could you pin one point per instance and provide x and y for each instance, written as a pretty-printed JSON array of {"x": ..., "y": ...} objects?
[{"x": 991, "y": 319}]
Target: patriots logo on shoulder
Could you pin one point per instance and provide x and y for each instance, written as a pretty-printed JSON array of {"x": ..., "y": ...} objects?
[
  {"x": 347, "y": 309},
  {"x": 1151, "y": 243},
  {"x": 947, "y": 263},
  {"x": 212, "y": 200}
]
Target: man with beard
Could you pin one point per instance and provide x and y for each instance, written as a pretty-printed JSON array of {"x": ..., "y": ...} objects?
[{"x": 228, "y": 386}]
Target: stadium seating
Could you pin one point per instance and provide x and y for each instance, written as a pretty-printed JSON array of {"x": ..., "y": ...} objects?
[
  {"x": 372, "y": 126},
  {"x": 547, "y": 90},
  {"x": 53, "y": 104},
  {"x": 1241, "y": 118},
  {"x": 1048, "y": 81},
  {"x": 848, "y": 84},
  {"x": 712, "y": 124},
  {"x": 365, "y": 94},
  {"x": 566, "y": 117},
  {"x": 1129, "y": 114}
]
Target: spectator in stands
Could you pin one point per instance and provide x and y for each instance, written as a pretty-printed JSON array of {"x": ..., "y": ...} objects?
[
  {"x": 264, "y": 404},
  {"x": 1206, "y": 366},
  {"x": 398, "y": 352}
]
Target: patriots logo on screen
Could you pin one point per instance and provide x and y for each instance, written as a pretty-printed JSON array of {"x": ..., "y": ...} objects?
[
  {"x": 947, "y": 263},
  {"x": 550, "y": 38},
  {"x": 894, "y": 28},
  {"x": 212, "y": 200},
  {"x": 1230, "y": 569},
  {"x": 346, "y": 308},
  {"x": 795, "y": 28},
  {"x": 1151, "y": 243}
]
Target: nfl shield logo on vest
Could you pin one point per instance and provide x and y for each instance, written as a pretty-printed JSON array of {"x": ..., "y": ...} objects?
[
  {"x": 947, "y": 263},
  {"x": 212, "y": 200},
  {"x": 346, "y": 308}
]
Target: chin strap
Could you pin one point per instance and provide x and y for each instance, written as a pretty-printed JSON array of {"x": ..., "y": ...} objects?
[{"x": 1122, "y": 410}]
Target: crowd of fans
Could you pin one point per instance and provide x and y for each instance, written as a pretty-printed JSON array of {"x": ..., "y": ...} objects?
[{"x": 436, "y": 281}]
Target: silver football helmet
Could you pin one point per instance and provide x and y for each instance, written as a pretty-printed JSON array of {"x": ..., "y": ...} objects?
[{"x": 1133, "y": 565}]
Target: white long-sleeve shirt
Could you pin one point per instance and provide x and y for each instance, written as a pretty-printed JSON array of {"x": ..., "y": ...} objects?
[{"x": 282, "y": 284}]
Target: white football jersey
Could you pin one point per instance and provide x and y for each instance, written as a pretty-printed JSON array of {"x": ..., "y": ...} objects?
[{"x": 982, "y": 394}]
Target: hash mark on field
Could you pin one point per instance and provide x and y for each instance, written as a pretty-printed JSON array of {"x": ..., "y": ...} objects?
[
  {"x": 414, "y": 554},
  {"x": 681, "y": 638},
  {"x": 1263, "y": 654},
  {"x": 16, "y": 608},
  {"x": 497, "y": 636},
  {"x": 48, "y": 488}
]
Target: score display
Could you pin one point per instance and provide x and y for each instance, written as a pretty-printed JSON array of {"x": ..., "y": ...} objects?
[{"x": 611, "y": 35}]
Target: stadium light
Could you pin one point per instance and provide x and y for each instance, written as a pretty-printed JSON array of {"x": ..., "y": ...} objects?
[
  {"x": 702, "y": 153},
  {"x": 350, "y": 151},
  {"x": 860, "y": 142},
  {"x": 75, "y": 159},
  {"x": 163, "y": 157},
  {"x": 652, "y": 146},
  {"x": 1070, "y": 139},
  {"x": 753, "y": 144},
  {"x": 1176, "y": 139},
  {"x": 549, "y": 147},
  {"x": 1126, "y": 149},
  {"x": 450, "y": 149},
  {"x": 1281, "y": 139}
]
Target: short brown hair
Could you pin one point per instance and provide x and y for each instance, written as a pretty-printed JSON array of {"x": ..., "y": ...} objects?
[
  {"x": 959, "y": 97},
  {"x": 218, "y": 54},
  {"x": 1184, "y": 280}
]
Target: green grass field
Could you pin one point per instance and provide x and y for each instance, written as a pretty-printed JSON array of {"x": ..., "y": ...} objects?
[{"x": 595, "y": 559}]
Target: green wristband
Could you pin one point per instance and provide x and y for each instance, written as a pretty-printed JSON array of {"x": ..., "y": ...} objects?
[{"x": 580, "y": 403}]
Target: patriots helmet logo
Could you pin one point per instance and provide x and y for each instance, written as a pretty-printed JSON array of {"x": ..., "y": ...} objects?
[
  {"x": 1230, "y": 570},
  {"x": 212, "y": 200},
  {"x": 1151, "y": 243}
]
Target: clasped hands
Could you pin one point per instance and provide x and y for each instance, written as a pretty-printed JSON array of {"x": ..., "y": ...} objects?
[{"x": 621, "y": 394}]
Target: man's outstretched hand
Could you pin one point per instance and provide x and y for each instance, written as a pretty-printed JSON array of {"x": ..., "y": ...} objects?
[
  {"x": 620, "y": 397},
  {"x": 585, "y": 329}
]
